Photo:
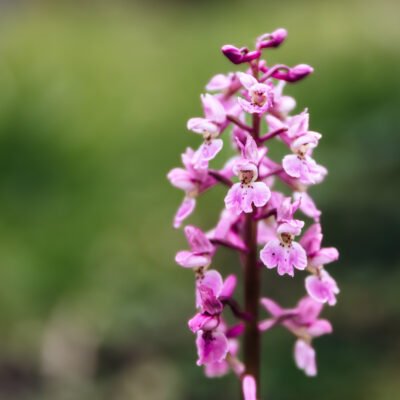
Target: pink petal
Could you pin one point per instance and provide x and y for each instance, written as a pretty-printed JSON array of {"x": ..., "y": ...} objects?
[
  {"x": 304, "y": 356},
  {"x": 197, "y": 240},
  {"x": 202, "y": 125},
  {"x": 272, "y": 307},
  {"x": 213, "y": 109},
  {"x": 208, "y": 150},
  {"x": 187, "y": 259},
  {"x": 211, "y": 347},
  {"x": 298, "y": 256},
  {"x": 233, "y": 199},
  {"x": 203, "y": 322},
  {"x": 217, "y": 369},
  {"x": 261, "y": 194},
  {"x": 247, "y": 80},
  {"x": 219, "y": 82},
  {"x": 229, "y": 286},
  {"x": 275, "y": 123},
  {"x": 319, "y": 328},
  {"x": 251, "y": 150},
  {"x": 307, "y": 205},
  {"x": 324, "y": 256},
  {"x": 312, "y": 238},
  {"x": 308, "y": 310},
  {"x": 292, "y": 165},
  {"x": 184, "y": 210},
  {"x": 249, "y": 388},
  {"x": 322, "y": 289},
  {"x": 271, "y": 254},
  {"x": 181, "y": 179}
]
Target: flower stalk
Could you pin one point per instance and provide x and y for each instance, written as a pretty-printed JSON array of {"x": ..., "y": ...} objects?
[{"x": 258, "y": 221}]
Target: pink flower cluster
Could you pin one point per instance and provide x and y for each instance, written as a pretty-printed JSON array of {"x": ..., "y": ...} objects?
[{"x": 250, "y": 110}]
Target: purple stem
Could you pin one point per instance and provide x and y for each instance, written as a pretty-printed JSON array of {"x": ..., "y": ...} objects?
[{"x": 239, "y": 123}]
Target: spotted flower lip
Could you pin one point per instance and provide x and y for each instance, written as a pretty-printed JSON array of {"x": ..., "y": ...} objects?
[
  {"x": 322, "y": 287},
  {"x": 243, "y": 195}
]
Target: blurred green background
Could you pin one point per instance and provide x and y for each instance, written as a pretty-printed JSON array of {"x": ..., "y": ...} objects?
[{"x": 94, "y": 99}]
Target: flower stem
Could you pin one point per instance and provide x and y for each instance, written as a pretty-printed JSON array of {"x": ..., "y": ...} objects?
[{"x": 252, "y": 289}]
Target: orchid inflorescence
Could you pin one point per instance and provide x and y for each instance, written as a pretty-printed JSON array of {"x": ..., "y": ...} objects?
[{"x": 255, "y": 213}]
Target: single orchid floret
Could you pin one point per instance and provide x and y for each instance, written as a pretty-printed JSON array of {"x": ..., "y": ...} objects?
[
  {"x": 311, "y": 242},
  {"x": 211, "y": 290},
  {"x": 274, "y": 39},
  {"x": 221, "y": 82},
  {"x": 293, "y": 74},
  {"x": 210, "y": 128},
  {"x": 226, "y": 230},
  {"x": 201, "y": 249},
  {"x": 260, "y": 95},
  {"x": 295, "y": 126},
  {"x": 281, "y": 105},
  {"x": 212, "y": 347},
  {"x": 303, "y": 322},
  {"x": 241, "y": 196},
  {"x": 305, "y": 358},
  {"x": 307, "y": 205},
  {"x": 249, "y": 388},
  {"x": 300, "y": 165},
  {"x": 322, "y": 287},
  {"x": 284, "y": 253},
  {"x": 221, "y": 368},
  {"x": 192, "y": 181},
  {"x": 239, "y": 56}
]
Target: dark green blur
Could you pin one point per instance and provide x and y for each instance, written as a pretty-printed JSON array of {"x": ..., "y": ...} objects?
[{"x": 94, "y": 99}]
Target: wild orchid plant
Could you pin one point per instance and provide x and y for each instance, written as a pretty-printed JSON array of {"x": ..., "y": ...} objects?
[{"x": 255, "y": 214}]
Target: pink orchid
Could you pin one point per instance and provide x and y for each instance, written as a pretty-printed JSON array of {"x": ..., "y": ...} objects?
[
  {"x": 226, "y": 230},
  {"x": 212, "y": 347},
  {"x": 317, "y": 256},
  {"x": 302, "y": 320},
  {"x": 284, "y": 253},
  {"x": 210, "y": 128},
  {"x": 257, "y": 213},
  {"x": 192, "y": 181},
  {"x": 322, "y": 287},
  {"x": 241, "y": 196},
  {"x": 221, "y": 368},
  {"x": 210, "y": 289},
  {"x": 307, "y": 205},
  {"x": 201, "y": 249},
  {"x": 304, "y": 323},
  {"x": 260, "y": 94},
  {"x": 300, "y": 165},
  {"x": 281, "y": 105}
]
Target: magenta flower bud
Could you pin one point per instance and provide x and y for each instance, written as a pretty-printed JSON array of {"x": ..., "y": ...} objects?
[
  {"x": 273, "y": 39},
  {"x": 239, "y": 56},
  {"x": 294, "y": 74}
]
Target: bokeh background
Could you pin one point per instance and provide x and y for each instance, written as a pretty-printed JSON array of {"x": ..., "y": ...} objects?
[{"x": 94, "y": 99}]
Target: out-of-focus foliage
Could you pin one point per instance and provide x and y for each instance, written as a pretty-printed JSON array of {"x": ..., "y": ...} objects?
[{"x": 94, "y": 97}]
